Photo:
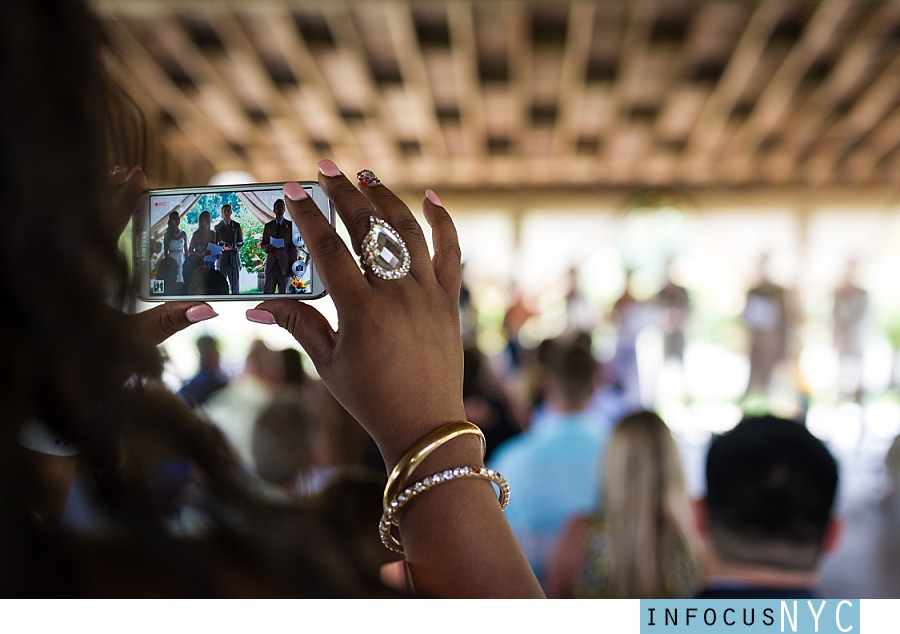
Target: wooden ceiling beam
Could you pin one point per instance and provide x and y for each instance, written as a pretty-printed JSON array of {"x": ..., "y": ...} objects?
[
  {"x": 519, "y": 56},
  {"x": 698, "y": 162},
  {"x": 282, "y": 129},
  {"x": 143, "y": 71},
  {"x": 862, "y": 162},
  {"x": 769, "y": 113},
  {"x": 850, "y": 69},
  {"x": 279, "y": 22},
  {"x": 605, "y": 94},
  {"x": 571, "y": 79},
  {"x": 661, "y": 165},
  {"x": 374, "y": 133},
  {"x": 619, "y": 155},
  {"x": 418, "y": 90},
  {"x": 465, "y": 73},
  {"x": 871, "y": 108},
  {"x": 218, "y": 99}
]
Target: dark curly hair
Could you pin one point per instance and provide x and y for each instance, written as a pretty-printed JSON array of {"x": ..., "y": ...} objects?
[{"x": 68, "y": 353}]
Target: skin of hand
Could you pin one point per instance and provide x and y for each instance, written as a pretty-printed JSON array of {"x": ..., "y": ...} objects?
[
  {"x": 395, "y": 362},
  {"x": 162, "y": 321}
]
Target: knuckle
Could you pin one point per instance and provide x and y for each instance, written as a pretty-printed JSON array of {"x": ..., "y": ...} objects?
[
  {"x": 360, "y": 219},
  {"x": 341, "y": 190},
  {"x": 330, "y": 245},
  {"x": 446, "y": 222},
  {"x": 169, "y": 324},
  {"x": 409, "y": 226},
  {"x": 291, "y": 321},
  {"x": 452, "y": 250}
]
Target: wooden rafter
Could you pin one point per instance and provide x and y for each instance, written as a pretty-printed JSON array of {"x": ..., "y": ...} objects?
[{"x": 466, "y": 94}]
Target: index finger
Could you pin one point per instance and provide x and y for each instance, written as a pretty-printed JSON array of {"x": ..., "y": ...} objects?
[{"x": 337, "y": 269}]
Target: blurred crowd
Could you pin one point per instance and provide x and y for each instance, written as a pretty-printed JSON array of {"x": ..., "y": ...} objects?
[{"x": 600, "y": 505}]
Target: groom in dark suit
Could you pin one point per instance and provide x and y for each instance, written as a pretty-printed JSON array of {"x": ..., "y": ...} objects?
[
  {"x": 281, "y": 255},
  {"x": 231, "y": 239}
]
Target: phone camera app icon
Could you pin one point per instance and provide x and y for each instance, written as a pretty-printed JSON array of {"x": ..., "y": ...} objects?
[{"x": 299, "y": 268}]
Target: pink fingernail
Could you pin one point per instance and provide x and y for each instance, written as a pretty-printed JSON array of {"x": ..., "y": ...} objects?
[
  {"x": 295, "y": 192},
  {"x": 328, "y": 168},
  {"x": 260, "y": 316},
  {"x": 430, "y": 195},
  {"x": 200, "y": 313}
]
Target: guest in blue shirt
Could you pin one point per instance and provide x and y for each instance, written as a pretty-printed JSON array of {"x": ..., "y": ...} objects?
[
  {"x": 554, "y": 469},
  {"x": 209, "y": 379}
]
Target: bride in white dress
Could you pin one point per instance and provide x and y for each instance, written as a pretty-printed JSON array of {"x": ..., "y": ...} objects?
[{"x": 176, "y": 243}]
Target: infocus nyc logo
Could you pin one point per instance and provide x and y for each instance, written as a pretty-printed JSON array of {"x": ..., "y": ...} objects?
[{"x": 751, "y": 616}]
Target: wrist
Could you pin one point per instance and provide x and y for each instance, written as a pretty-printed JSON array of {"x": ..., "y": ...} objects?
[{"x": 397, "y": 439}]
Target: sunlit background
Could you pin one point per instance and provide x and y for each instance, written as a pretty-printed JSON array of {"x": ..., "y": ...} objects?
[{"x": 573, "y": 142}]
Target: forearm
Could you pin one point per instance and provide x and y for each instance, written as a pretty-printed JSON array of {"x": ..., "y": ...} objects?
[{"x": 457, "y": 541}]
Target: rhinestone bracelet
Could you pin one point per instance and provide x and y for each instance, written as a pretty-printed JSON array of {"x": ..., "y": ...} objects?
[
  {"x": 421, "y": 450},
  {"x": 391, "y": 516}
]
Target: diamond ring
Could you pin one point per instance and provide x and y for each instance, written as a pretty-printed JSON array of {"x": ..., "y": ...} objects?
[{"x": 384, "y": 251}]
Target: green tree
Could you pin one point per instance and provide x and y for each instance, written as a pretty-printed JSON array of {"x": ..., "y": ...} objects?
[{"x": 253, "y": 258}]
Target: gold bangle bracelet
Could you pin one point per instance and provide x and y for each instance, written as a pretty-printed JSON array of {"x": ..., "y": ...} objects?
[{"x": 419, "y": 451}]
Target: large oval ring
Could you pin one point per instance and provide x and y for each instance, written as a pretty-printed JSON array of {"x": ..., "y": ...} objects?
[{"x": 384, "y": 251}]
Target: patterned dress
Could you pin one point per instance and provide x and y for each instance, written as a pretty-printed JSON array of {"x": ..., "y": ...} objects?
[{"x": 684, "y": 578}]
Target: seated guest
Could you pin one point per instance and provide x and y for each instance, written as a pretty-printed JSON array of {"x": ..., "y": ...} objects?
[
  {"x": 486, "y": 402},
  {"x": 352, "y": 504},
  {"x": 191, "y": 264},
  {"x": 204, "y": 281},
  {"x": 235, "y": 408},
  {"x": 767, "y": 518},
  {"x": 283, "y": 444},
  {"x": 639, "y": 547},
  {"x": 209, "y": 378},
  {"x": 892, "y": 471},
  {"x": 553, "y": 468},
  {"x": 168, "y": 271}
]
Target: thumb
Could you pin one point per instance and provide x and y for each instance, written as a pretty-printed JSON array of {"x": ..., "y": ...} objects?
[
  {"x": 308, "y": 326},
  {"x": 161, "y": 322}
]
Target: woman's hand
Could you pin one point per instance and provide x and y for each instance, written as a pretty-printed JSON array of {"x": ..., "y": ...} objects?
[
  {"x": 395, "y": 362},
  {"x": 160, "y": 322}
]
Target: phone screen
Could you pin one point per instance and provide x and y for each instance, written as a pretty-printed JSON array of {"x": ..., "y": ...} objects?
[{"x": 223, "y": 243}]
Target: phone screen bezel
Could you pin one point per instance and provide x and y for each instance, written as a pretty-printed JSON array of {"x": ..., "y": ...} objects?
[{"x": 141, "y": 258}]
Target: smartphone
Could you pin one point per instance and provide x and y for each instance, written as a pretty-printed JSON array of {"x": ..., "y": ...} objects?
[{"x": 223, "y": 243}]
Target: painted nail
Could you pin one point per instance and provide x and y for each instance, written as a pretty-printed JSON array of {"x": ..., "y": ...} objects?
[
  {"x": 367, "y": 177},
  {"x": 430, "y": 195},
  {"x": 200, "y": 313},
  {"x": 260, "y": 316},
  {"x": 329, "y": 168},
  {"x": 116, "y": 170},
  {"x": 294, "y": 191}
]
